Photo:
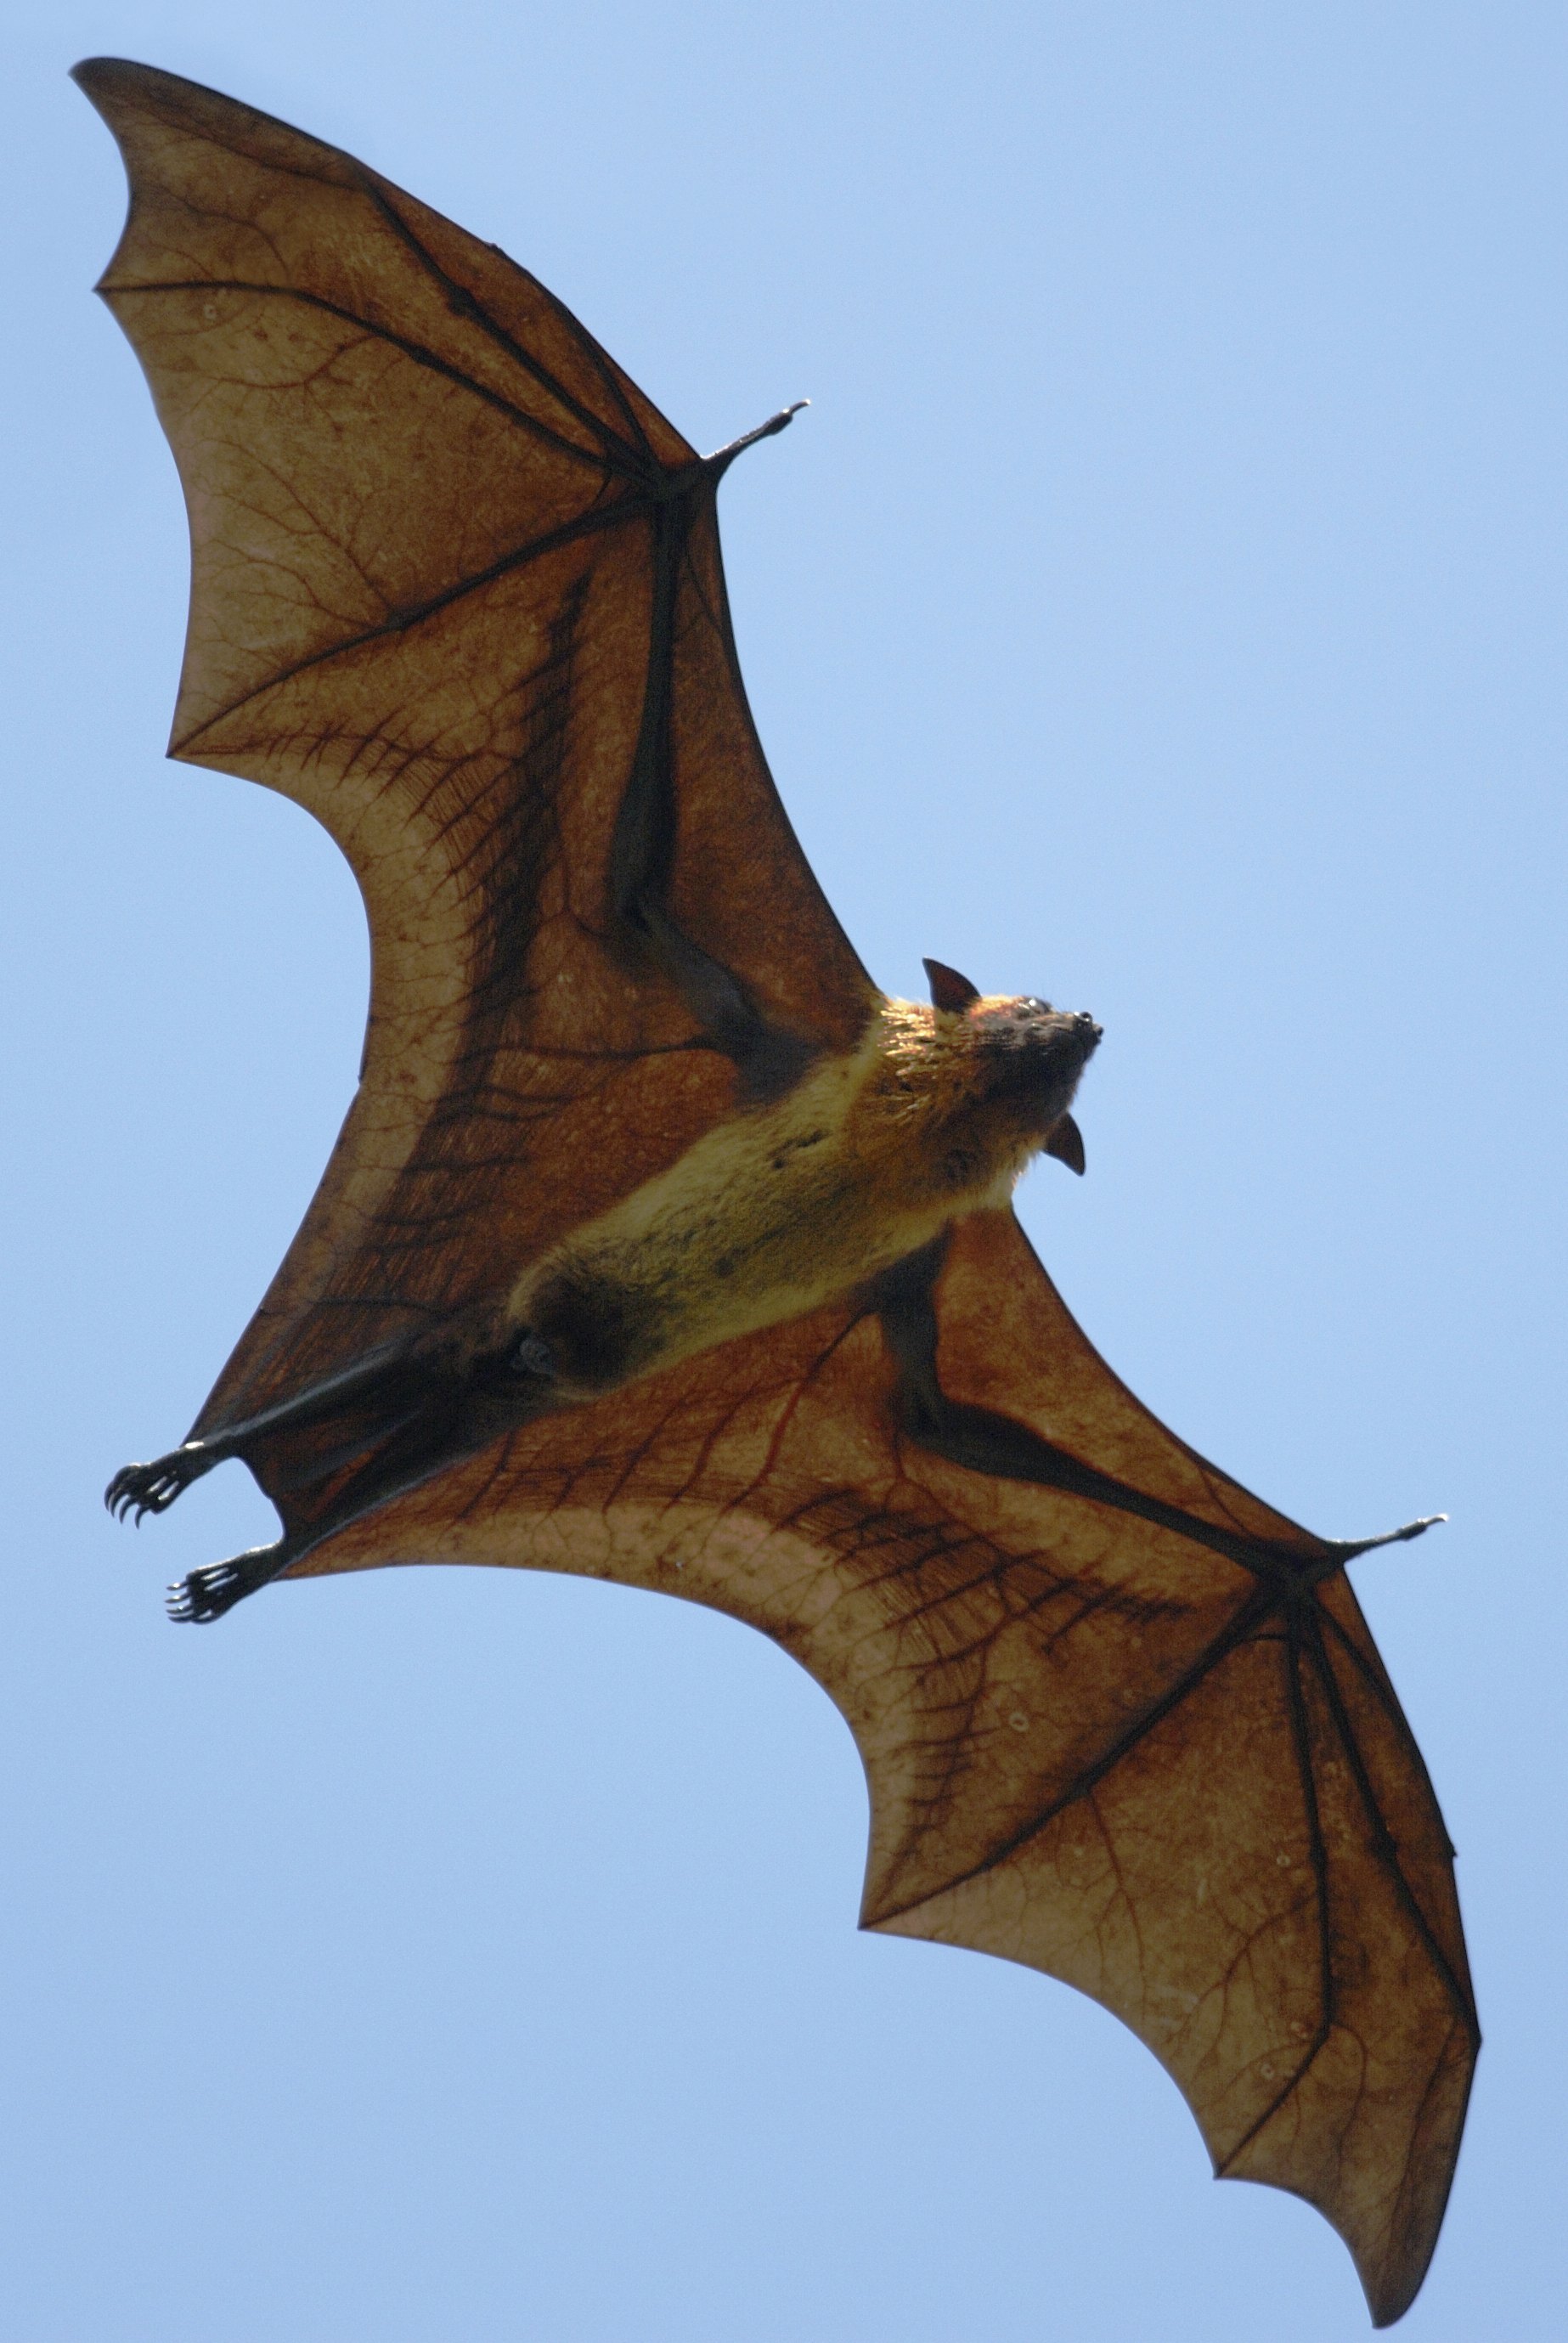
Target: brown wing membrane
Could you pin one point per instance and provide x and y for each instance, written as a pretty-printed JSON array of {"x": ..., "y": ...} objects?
[
  {"x": 435, "y": 593},
  {"x": 1093, "y": 1745}
]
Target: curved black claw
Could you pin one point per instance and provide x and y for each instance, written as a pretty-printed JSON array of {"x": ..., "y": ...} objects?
[
  {"x": 142, "y": 1489},
  {"x": 206, "y": 1593}
]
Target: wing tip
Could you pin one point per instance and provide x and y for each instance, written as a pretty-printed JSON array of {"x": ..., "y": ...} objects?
[
  {"x": 122, "y": 87},
  {"x": 102, "y": 80},
  {"x": 1389, "y": 2279},
  {"x": 1388, "y": 2298},
  {"x": 88, "y": 70}
]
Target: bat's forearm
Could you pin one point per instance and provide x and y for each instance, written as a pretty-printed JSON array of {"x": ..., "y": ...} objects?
[{"x": 986, "y": 1442}]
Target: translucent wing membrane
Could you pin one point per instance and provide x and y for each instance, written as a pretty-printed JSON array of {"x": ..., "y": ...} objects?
[
  {"x": 1093, "y": 1746},
  {"x": 423, "y": 506}
]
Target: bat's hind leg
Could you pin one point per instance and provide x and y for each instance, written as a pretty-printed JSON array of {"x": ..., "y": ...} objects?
[
  {"x": 207, "y": 1593},
  {"x": 143, "y": 1489},
  {"x": 381, "y": 1379}
]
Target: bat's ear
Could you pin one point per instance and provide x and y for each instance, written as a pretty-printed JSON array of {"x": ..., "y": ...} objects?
[
  {"x": 1066, "y": 1143},
  {"x": 950, "y": 990}
]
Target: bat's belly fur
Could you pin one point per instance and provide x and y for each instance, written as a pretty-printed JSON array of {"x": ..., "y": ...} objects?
[{"x": 784, "y": 1207}]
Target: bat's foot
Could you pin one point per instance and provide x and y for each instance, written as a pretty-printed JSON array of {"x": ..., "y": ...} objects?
[
  {"x": 216, "y": 1588},
  {"x": 142, "y": 1489}
]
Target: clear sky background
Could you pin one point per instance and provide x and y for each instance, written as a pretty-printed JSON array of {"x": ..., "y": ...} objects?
[{"x": 1159, "y": 609}]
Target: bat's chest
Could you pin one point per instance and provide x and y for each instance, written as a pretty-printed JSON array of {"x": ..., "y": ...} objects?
[
  {"x": 619, "y": 1302},
  {"x": 722, "y": 1248}
]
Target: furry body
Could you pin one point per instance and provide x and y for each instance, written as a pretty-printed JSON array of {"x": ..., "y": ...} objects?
[{"x": 782, "y": 1207}]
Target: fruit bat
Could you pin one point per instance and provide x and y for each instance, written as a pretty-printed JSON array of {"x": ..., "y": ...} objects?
[{"x": 659, "y": 1245}]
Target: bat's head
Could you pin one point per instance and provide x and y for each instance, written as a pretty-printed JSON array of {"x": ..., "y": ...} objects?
[
  {"x": 1029, "y": 1058},
  {"x": 976, "y": 1085},
  {"x": 1023, "y": 1055},
  {"x": 1032, "y": 1055}
]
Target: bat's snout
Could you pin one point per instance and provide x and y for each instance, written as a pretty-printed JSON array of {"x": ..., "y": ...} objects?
[{"x": 1071, "y": 1042}]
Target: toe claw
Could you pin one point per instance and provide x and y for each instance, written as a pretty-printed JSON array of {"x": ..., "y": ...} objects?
[
  {"x": 138, "y": 1489},
  {"x": 206, "y": 1594}
]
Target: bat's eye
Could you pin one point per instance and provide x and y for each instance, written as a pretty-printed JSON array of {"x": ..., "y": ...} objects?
[
  {"x": 1043, "y": 1006},
  {"x": 530, "y": 1356}
]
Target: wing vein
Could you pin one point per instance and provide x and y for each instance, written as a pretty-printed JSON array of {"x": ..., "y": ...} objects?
[
  {"x": 419, "y": 353},
  {"x": 588, "y": 524},
  {"x": 1385, "y": 1843},
  {"x": 1250, "y": 1616},
  {"x": 469, "y": 305}
]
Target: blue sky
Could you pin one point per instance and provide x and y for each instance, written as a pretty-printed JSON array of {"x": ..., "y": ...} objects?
[{"x": 1159, "y": 609}]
